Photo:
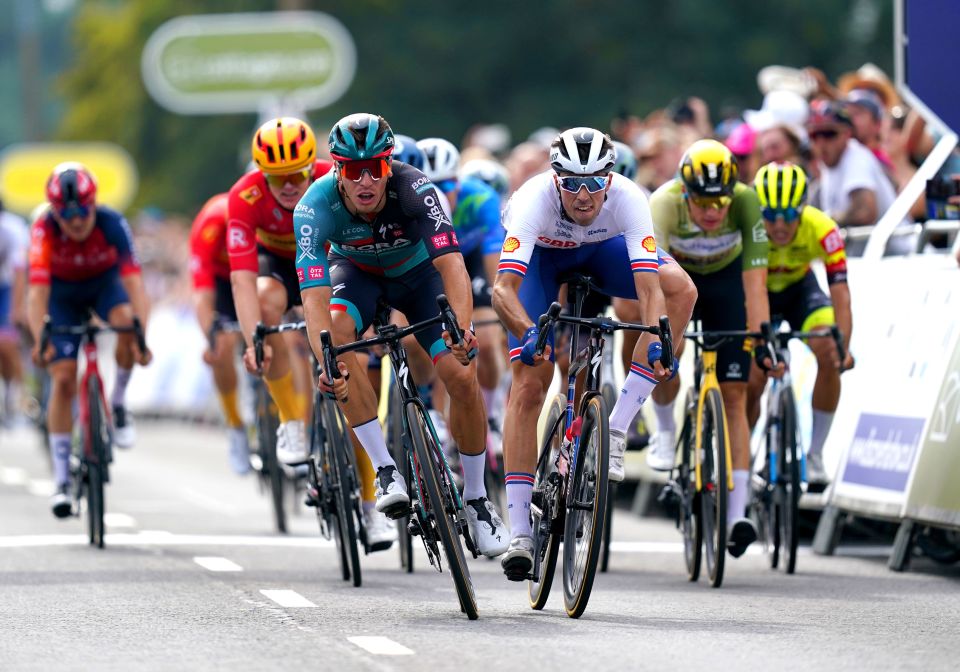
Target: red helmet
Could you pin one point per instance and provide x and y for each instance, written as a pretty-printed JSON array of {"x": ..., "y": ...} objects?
[{"x": 71, "y": 186}]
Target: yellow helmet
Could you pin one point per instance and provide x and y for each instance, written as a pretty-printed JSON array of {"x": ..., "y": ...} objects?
[
  {"x": 781, "y": 187},
  {"x": 283, "y": 146},
  {"x": 708, "y": 169}
]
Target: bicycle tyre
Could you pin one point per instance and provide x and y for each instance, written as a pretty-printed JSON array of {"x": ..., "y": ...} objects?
[
  {"x": 442, "y": 507},
  {"x": 588, "y": 483},
  {"x": 788, "y": 481},
  {"x": 690, "y": 512},
  {"x": 344, "y": 490},
  {"x": 96, "y": 460},
  {"x": 267, "y": 424},
  {"x": 395, "y": 442},
  {"x": 771, "y": 511},
  {"x": 713, "y": 496},
  {"x": 538, "y": 590},
  {"x": 607, "y": 530}
]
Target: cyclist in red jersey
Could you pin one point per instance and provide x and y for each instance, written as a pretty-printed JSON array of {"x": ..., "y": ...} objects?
[
  {"x": 213, "y": 301},
  {"x": 81, "y": 259}
]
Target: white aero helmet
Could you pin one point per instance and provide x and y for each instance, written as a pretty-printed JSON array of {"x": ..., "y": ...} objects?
[
  {"x": 582, "y": 151},
  {"x": 441, "y": 159},
  {"x": 488, "y": 171}
]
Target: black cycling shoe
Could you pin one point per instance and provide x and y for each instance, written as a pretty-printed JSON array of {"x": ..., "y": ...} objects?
[
  {"x": 742, "y": 534},
  {"x": 60, "y": 503}
]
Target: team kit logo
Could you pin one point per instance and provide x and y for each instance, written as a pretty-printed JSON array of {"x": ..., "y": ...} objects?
[
  {"x": 649, "y": 244},
  {"x": 511, "y": 244}
]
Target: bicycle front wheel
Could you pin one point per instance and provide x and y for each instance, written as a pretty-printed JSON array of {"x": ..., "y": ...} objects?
[
  {"x": 546, "y": 507},
  {"x": 343, "y": 488},
  {"x": 396, "y": 445},
  {"x": 586, "y": 507},
  {"x": 690, "y": 511},
  {"x": 788, "y": 482},
  {"x": 713, "y": 493},
  {"x": 267, "y": 424},
  {"x": 96, "y": 462},
  {"x": 443, "y": 513}
]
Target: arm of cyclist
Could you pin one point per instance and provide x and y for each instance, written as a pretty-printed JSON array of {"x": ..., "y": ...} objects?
[
  {"x": 456, "y": 284},
  {"x": 506, "y": 302},
  {"x": 204, "y": 304},
  {"x": 840, "y": 297},
  {"x": 134, "y": 286},
  {"x": 38, "y": 291},
  {"x": 653, "y": 304},
  {"x": 316, "y": 313}
]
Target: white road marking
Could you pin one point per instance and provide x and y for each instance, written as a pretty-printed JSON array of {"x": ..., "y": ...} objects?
[
  {"x": 287, "y": 598},
  {"x": 381, "y": 646},
  {"x": 42, "y": 487},
  {"x": 217, "y": 564},
  {"x": 163, "y": 538},
  {"x": 118, "y": 520},
  {"x": 207, "y": 502},
  {"x": 13, "y": 476}
]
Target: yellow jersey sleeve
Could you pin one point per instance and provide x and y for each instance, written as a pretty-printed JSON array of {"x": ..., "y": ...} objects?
[{"x": 827, "y": 242}]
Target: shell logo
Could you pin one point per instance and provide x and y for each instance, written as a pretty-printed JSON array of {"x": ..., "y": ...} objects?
[
  {"x": 511, "y": 244},
  {"x": 649, "y": 244}
]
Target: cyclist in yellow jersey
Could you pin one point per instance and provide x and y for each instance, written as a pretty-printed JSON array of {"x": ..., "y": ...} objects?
[
  {"x": 799, "y": 234},
  {"x": 710, "y": 223}
]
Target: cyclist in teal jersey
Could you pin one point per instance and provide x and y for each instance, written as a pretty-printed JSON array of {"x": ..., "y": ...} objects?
[{"x": 391, "y": 240}]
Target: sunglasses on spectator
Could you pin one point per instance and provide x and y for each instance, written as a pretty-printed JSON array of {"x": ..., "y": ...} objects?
[
  {"x": 706, "y": 202},
  {"x": 354, "y": 170},
  {"x": 573, "y": 183},
  {"x": 788, "y": 214},
  {"x": 296, "y": 179},
  {"x": 72, "y": 211},
  {"x": 828, "y": 134}
]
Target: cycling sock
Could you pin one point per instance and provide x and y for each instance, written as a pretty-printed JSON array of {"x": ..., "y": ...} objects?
[
  {"x": 665, "y": 419},
  {"x": 821, "y": 427},
  {"x": 369, "y": 507},
  {"x": 737, "y": 499},
  {"x": 60, "y": 452},
  {"x": 302, "y": 406},
  {"x": 285, "y": 395},
  {"x": 370, "y": 435},
  {"x": 366, "y": 474},
  {"x": 120, "y": 386},
  {"x": 636, "y": 388},
  {"x": 473, "y": 466},
  {"x": 231, "y": 409},
  {"x": 519, "y": 490}
]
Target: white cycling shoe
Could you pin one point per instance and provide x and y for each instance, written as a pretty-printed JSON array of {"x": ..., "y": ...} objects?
[
  {"x": 239, "y": 450},
  {"x": 661, "y": 452},
  {"x": 391, "y": 491},
  {"x": 381, "y": 531},
  {"x": 486, "y": 527},
  {"x": 517, "y": 562},
  {"x": 618, "y": 445},
  {"x": 124, "y": 435},
  {"x": 291, "y": 442}
]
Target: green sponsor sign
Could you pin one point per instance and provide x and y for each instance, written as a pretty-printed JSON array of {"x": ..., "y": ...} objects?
[{"x": 216, "y": 63}]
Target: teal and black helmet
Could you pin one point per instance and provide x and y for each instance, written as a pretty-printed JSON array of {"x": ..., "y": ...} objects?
[{"x": 361, "y": 136}]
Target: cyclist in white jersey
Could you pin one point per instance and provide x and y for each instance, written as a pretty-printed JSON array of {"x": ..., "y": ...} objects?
[
  {"x": 14, "y": 241},
  {"x": 577, "y": 217}
]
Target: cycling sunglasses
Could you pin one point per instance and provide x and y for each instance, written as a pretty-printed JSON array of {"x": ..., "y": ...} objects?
[
  {"x": 789, "y": 214},
  {"x": 824, "y": 135},
  {"x": 72, "y": 211},
  {"x": 296, "y": 179},
  {"x": 706, "y": 202},
  {"x": 573, "y": 183},
  {"x": 353, "y": 170}
]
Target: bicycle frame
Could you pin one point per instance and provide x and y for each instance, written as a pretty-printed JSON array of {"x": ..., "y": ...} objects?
[
  {"x": 702, "y": 383},
  {"x": 92, "y": 370}
]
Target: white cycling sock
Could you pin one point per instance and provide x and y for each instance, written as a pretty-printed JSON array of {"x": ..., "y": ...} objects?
[
  {"x": 370, "y": 435},
  {"x": 738, "y": 497},
  {"x": 636, "y": 388},
  {"x": 473, "y": 466},
  {"x": 60, "y": 452},
  {"x": 821, "y": 428},
  {"x": 120, "y": 386},
  {"x": 665, "y": 419},
  {"x": 519, "y": 490}
]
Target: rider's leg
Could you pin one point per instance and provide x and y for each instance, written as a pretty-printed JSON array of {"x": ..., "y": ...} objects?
[
  {"x": 735, "y": 405},
  {"x": 63, "y": 390},
  {"x": 468, "y": 421},
  {"x": 279, "y": 377},
  {"x": 122, "y": 316},
  {"x": 225, "y": 377},
  {"x": 826, "y": 392}
]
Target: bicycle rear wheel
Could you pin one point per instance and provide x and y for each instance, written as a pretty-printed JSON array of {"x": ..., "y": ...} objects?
[
  {"x": 343, "y": 490},
  {"x": 267, "y": 424},
  {"x": 788, "y": 482},
  {"x": 586, "y": 508},
  {"x": 96, "y": 462},
  {"x": 713, "y": 495},
  {"x": 690, "y": 511},
  {"x": 608, "y": 529},
  {"x": 443, "y": 512},
  {"x": 546, "y": 509}
]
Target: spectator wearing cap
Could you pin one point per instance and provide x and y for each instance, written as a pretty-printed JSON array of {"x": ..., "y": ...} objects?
[
  {"x": 866, "y": 111},
  {"x": 742, "y": 141},
  {"x": 854, "y": 188}
]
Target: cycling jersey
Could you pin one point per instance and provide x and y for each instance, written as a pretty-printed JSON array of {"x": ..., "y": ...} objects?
[
  {"x": 818, "y": 237},
  {"x": 109, "y": 247},
  {"x": 534, "y": 217},
  {"x": 477, "y": 218},
  {"x": 740, "y": 234},
  {"x": 410, "y": 231},
  {"x": 208, "y": 244},
  {"x": 14, "y": 241},
  {"x": 257, "y": 219}
]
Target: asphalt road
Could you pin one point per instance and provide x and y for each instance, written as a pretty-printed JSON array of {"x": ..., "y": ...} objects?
[{"x": 193, "y": 577}]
